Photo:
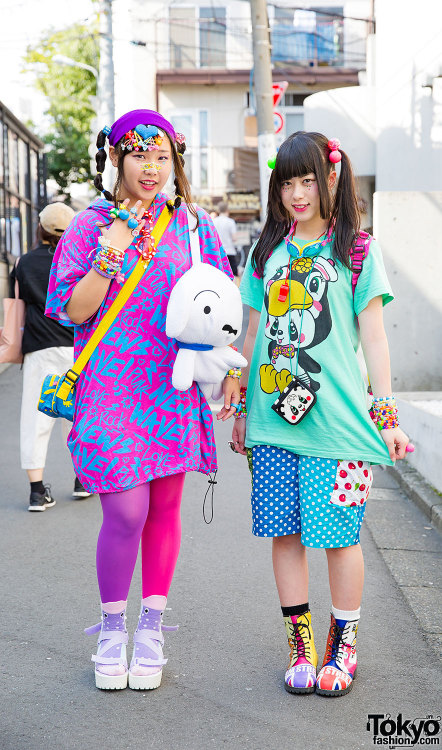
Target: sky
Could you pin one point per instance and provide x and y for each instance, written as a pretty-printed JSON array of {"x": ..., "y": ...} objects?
[{"x": 24, "y": 22}]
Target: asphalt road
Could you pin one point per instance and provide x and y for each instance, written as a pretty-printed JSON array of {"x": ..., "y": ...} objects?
[{"x": 223, "y": 685}]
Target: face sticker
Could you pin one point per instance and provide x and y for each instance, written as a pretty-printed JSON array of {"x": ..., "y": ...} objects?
[{"x": 151, "y": 165}]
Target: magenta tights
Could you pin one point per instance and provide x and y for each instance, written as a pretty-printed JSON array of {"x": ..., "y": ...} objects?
[{"x": 151, "y": 513}]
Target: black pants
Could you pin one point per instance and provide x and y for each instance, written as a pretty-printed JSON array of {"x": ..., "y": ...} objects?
[{"x": 233, "y": 264}]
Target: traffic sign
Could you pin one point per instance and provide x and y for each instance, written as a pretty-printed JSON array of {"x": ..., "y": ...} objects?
[
  {"x": 278, "y": 90},
  {"x": 278, "y": 122}
]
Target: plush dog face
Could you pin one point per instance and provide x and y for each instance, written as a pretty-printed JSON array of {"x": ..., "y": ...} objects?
[{"x": 204, "y": 308}]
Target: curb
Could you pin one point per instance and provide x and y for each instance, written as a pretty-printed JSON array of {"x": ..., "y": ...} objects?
[{"x": 419, "y": 491}]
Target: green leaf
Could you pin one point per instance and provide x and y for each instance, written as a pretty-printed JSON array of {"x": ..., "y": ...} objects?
[{"x": 69, "y": 92}]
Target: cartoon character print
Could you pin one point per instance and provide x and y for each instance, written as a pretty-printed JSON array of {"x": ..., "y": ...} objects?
[
  {"x": 294, "y": 402},
  {"x": 287, "y": 302}
]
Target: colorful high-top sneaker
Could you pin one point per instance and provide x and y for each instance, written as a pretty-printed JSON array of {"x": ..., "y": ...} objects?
[
  {"x": 301, "y": 673},
  {"x": 340, "y": 661}
]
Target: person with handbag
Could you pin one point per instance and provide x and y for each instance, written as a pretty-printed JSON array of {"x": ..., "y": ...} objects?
[
  {"x": 134, "y": 435},
  {"x": 45, "y": 345}
]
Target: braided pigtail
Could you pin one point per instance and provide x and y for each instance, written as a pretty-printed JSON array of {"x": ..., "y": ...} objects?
[
  {"x": 177, "y": 201},
  {"x": 100, "y": 160}
]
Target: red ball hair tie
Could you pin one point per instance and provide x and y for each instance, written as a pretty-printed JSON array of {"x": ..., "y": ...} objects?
[{"x": 335, "y": 155}]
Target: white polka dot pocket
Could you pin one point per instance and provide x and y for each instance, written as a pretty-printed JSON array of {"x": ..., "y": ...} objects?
[{"x": 352, "y": 484}]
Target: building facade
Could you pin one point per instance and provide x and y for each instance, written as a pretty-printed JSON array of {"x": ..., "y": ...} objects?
[
  {"x": 199, "y": 73},
  {"x": 22, "y": 190},
  {"x": 391, "y": 127}
]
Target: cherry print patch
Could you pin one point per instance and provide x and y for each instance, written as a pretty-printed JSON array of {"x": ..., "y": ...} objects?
[{"x": 352, "y": 484}]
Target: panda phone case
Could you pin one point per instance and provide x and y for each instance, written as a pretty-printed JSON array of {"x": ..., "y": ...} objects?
[{"x": 295, "y": 401}]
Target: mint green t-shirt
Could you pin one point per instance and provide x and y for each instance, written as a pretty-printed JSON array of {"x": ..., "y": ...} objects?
[{"x": 338, "y": 425}]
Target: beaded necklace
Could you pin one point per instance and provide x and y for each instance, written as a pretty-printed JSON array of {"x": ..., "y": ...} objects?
[
  {"x": 145, "y": 244},
  {"x": 296, "y": 252}
]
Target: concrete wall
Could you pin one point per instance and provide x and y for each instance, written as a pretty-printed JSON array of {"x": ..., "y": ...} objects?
[
  {"x": 408, "y": 226},
  {"x": 421, "y": 419},
  {"x": 408, "y": 116},
  {"x": 347, "y": 114}
]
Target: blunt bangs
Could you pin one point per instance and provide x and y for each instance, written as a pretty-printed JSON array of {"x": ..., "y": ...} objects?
[{"x": 298, "y": 156}]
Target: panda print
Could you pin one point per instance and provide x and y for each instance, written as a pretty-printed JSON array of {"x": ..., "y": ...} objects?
[
  {"x": 294, "y": 402},
  {"x": 288, "y": 303}
]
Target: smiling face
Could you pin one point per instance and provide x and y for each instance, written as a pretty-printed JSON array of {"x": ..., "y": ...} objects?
[
  {"x": 144, "y": 173},
  {"x": 300, "y": 196}
]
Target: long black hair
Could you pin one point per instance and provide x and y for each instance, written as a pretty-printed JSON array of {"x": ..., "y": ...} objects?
[
  {"x": 182, "y": 187},
  {"x": 303, "y": 153}
]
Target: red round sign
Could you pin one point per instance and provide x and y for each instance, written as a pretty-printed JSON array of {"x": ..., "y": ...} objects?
[{"x": 278, "y": 122}]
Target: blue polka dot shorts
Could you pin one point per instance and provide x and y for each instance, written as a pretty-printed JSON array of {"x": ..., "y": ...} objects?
[{"x": 323, "y": 499}]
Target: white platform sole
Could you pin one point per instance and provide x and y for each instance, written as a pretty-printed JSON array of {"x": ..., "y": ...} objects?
[
  {"x": 145, "y": 681},
  {"x": 110, "y": 681}
]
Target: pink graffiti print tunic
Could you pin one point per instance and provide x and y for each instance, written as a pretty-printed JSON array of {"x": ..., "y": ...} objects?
[{"x": 130, "y": 424}]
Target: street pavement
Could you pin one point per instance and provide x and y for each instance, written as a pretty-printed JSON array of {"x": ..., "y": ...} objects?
[{"x": 223, "y": 685}]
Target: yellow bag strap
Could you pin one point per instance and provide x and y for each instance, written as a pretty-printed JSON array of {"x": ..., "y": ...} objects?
[{"x": 105, "y": 323}]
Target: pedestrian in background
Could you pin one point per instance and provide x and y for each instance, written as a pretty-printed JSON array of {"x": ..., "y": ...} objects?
[
  {"x": 226, "y": 228},
  {"x": 310, "y": 302},
  {"x": 47, "y": 347}
]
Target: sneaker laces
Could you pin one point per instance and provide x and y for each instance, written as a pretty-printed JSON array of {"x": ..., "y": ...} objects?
[
  {"x": 337, "y": 641},
  {"x": 303, "y": 647}
]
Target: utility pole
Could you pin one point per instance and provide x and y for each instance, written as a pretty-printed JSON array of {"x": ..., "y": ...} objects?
[
  {"x": 105, "y": 93},
  {"x": 263, "y": 95}
]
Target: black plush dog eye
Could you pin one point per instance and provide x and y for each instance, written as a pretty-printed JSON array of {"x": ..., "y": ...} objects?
[{"x": 207, "y": 309}]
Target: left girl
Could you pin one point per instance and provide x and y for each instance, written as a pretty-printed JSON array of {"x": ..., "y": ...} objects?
[{"x": 134, "y": 436}]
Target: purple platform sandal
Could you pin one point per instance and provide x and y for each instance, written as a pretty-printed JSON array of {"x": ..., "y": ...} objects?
[
  {"x": 148, "y": 649},
  {"x": 111, "y": 650}
]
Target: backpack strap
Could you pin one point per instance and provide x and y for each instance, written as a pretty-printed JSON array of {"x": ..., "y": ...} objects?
[
  {"x": 194, "y": 236},
  {"x": 358, "y": 253}
]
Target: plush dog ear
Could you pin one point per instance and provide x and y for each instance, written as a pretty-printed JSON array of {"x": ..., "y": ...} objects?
[{"x": 178, "y": 308}]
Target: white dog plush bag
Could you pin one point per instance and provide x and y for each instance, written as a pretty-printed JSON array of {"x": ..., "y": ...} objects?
[{"x": 204, "y": 316}]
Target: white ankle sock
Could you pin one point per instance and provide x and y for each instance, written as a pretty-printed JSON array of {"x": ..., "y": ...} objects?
[
  {"x": 346, "y": 614},
  {"x": 156, "y": 601},
  {"x": 113, "y": 608}
]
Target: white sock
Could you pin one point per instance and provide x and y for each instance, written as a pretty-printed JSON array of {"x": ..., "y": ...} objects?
[
  {"x": 113, "y": 608},
  {"x": 346, "y": 614},
  {"x": 156, "y": 601}
]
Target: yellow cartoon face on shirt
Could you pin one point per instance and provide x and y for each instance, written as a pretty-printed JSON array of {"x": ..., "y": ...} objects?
[{"x": 298, "y": 316}]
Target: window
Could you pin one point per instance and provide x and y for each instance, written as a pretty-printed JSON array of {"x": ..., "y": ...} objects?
[
  {"x": 308, "y": 36},
  {"x": 213, "y": 37},
  {"x": 182, "y": 37},
  {"x": 22, "y": 185},
  {"x": 294, "y": 120},
  {"x": 194, "y": 125},
  {"x": 197, "y": 40}
]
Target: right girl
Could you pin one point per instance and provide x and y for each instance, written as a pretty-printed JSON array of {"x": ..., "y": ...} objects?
[{"x": 311, "y": 478}]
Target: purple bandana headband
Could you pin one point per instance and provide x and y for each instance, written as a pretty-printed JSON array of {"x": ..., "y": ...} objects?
[{"x": 136, "y": 117}]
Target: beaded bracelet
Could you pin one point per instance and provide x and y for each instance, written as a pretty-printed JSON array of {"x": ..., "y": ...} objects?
[
  {"x": 234, "y": 372},
  {"x": 384, "y": 413},
  {"x": 242, "y": 411},
  {"x": 108, "y": 262},
  {"x": 106, "y": 245}
]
